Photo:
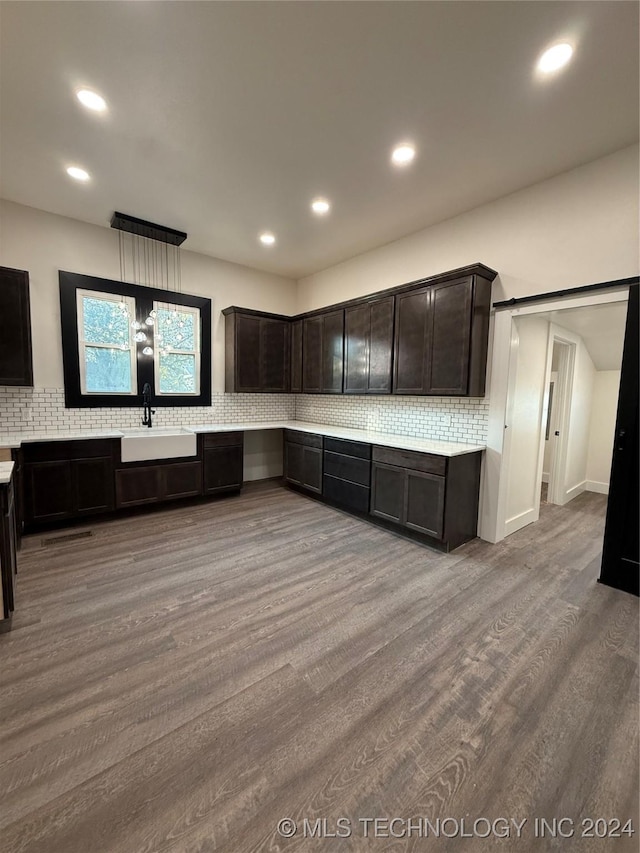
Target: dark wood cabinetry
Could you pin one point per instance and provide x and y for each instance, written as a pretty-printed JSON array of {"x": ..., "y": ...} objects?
[
  {"x": 347, "y": 473},
  {"x": 441, "y": 338},
  {"x": 8, "y": 549},
  {"x": 67, "y": 479},
  {"x": 302, "y": 460},
  {"x": 223, "y": 461},
  {"x": 16, "y": 364},
  {"x": 323, "y": 353},
  {"x": 137, "y": 485},
  {"x": 296, "y": 357},
  {"x": 257, "y": 352},
  {"x": 368, "y": 331},
  {"x": 431, "y": 495}
]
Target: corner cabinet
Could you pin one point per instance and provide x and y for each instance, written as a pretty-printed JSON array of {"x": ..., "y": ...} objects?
[
  {"x": 16, "y": 363},
  {"x": 257, "y": 352},
  {"x": 441, "y": 335}
]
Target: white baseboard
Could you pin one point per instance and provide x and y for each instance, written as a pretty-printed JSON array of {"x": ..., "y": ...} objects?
[
  {"x": 545, "y": 477},
  {"x": 574, "y": 491},
  {"x": 595, "y": 486},
  {"x": 521, "y": 520}
]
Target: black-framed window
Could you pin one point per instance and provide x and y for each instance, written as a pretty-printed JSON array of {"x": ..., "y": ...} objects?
[{"x": 116, "y": 337}]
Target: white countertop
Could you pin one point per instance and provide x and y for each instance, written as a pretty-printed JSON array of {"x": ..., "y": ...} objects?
[
  {"x": 5, "y": 472},
  {"x": 401, "y": 442}
]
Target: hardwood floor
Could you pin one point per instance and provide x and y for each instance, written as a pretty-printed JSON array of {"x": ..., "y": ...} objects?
[{"x": 182, "y": 680}]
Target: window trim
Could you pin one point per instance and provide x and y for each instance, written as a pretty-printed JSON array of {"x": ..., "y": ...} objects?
[
  {"x": 81, "y": 293},
  {"x": 144, "y": 298},
  {"x": 197, "y": 352}
]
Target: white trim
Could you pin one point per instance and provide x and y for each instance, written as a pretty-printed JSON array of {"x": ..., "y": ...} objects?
[
  {"x": 196, "y": 351},
  {"x": 492, "y": 520},
  {"x": 595, "y": 486},
  {"x": 130, "y": 302},
  {"x": 566, "y": 369},
  {"x": 521, "y": 520},
  {"x": 573, "y": 492}
]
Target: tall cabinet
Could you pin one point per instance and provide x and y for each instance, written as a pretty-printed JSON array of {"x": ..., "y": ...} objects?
[{"x": 16, "y": 365}]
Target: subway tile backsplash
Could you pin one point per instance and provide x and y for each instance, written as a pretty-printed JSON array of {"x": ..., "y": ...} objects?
[{"x": 445, "y": 418}]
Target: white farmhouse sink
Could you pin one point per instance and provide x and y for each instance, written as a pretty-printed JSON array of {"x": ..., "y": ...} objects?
[{"x": 142, "y": 444}]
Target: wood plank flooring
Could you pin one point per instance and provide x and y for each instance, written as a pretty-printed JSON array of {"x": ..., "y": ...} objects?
[{"x": 180, "y": 681}]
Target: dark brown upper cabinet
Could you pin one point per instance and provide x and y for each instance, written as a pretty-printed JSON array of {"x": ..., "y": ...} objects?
[
  {"x": 296, "y": 356},
  {"x": 16, "y": 363},
  {"x": 368, "y": 332},
  {"x": 441, "y": 333},
  {"x": 257, "y": 351},
  {"x": 323, "y": 353}
]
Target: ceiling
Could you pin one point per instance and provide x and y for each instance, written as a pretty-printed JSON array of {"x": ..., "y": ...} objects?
[
  {"x": 601, "y": 327},
  {"x": 226, "y": 118}
]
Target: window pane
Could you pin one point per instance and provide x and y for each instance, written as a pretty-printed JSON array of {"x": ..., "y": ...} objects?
[
  {"x": 107, "y": 370},
  {"x": 177, "y": 373},
  {"x": 176, "y": 329},
  {"x": 105, "y": 322}
]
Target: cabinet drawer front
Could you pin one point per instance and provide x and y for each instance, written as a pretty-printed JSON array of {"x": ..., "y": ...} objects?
[
  {"x": 51, "y": 451},
  {"x": 346, "y": 494},
  {"x": 223, "y": 439},
  {"x": 350, "y": 448},
  {"x": 308, "y": 438},
  {"x": 429, "y": 463},
  {"x": 347, "y": 467}
]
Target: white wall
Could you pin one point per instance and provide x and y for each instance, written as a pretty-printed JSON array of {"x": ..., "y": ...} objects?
[
  {"x": 575, "y": 480},
  {"x": 602, "y": 424},
  {"x": 578, "y": 228},
  {"x": 44, "y": 243}
]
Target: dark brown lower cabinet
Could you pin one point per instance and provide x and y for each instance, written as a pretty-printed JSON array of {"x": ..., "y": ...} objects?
[
  {"x": 347, "y": 473},
  {"x": 8, "y": 548},
  {"x": 303, "y": 460},
  {"x": 156, "y": 483},
  {"x": 67, "y": 479},
  {"x": 435, "y": 496},
  {"x": 223, "y": 454}
]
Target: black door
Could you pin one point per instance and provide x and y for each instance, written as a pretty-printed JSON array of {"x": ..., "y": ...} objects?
[{"x": 620, "y": 547}]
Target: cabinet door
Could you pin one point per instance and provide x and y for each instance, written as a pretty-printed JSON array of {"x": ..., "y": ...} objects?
[
  {"x": 49, "y": 491},
  {"x": 312, "y": 468},
  {"x": 8, "y": 548},
  {"x": 332, "y": 352},
  {"x": 182, "y": 480},
  {"x": 93, "y": 485},
  {"x": 450, "y": 337},
  {"x": 293, "y": 462},
  {"x": 247, "y": 353},
  {"x": 15, "y": 328},
  {"x": 381, "y": 346},
  {"x": 296, "y": 357},
  {"x": 136, "y": 486},
  {"x": 357, "y": 333},
  {"x": 388, "y": 492},
  {"x": 274, "y": 355},
  {"x": 425, "y": 503},
  {"x": 312, "y": 355},
  {"x": 223, "y": 469},
  {"x": 412, "y": 342}
]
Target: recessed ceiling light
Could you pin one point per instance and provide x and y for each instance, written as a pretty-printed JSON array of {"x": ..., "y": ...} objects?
[
  {"x": 267, "y": 238},
  {"x": 554, "y": 58},
  {"x": 320, "y": 206},
  {"x": 403, "y": 154},
  {"x": 91, "y": 100},
  {"x": 77, "y": 173}
]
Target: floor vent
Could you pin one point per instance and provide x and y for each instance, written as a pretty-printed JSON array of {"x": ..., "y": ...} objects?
[{"x": 69, "y": 537}]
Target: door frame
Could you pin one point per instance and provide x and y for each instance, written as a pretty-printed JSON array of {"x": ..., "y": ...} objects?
[{"x": 501, "y": 382}]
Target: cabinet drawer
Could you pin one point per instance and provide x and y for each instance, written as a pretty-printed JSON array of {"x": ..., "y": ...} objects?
[
  {"x": 346, "y": 494},
  {"x": 223, "y": 439},
  {"x": 350, "y": 448},
  {"x": 347, "y": 468},
  {"x": 428, "y": 463},
  {"x": 52, "y": 451},
  {"x": 309, "y": 438}
]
